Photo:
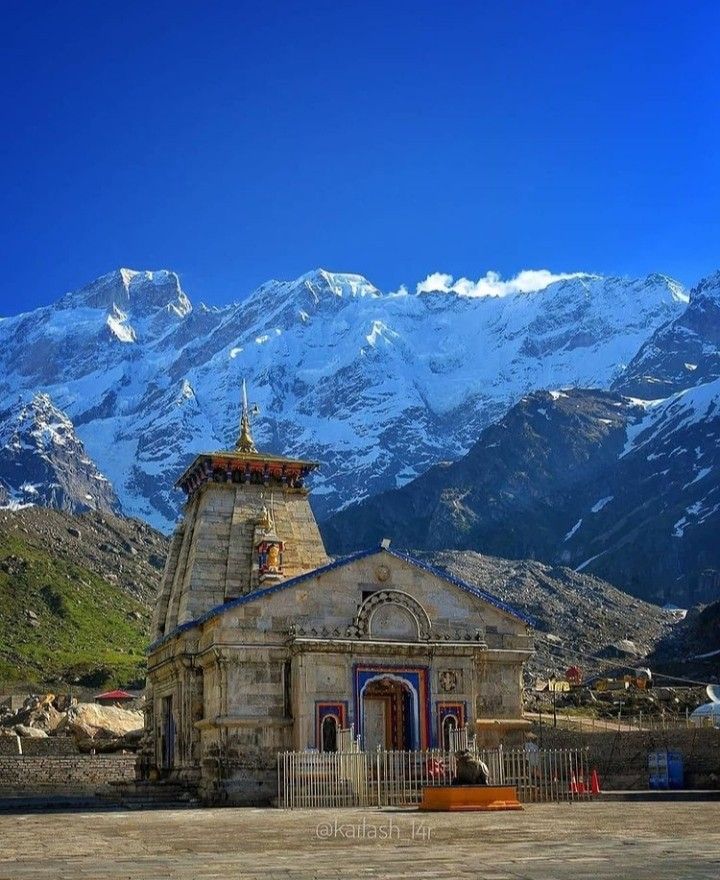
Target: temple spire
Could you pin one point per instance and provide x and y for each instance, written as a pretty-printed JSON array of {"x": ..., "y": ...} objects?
[{"x": 245, "y": 442}]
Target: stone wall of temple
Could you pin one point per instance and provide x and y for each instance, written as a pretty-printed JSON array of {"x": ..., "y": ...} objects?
[
  {"x": 212, "y": 557},
  {"x": 247, "y": 683},
  {"x": 254, "y": 678},
  {"x": 160, "y": 612}
]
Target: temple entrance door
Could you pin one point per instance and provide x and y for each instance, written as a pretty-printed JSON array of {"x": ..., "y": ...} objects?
[
  {"x": 375, "y": 723},
  {"x": 389, "y": 717}
]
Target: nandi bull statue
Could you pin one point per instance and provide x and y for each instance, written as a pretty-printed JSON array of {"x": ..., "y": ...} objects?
[{"x": 470, "y": 770}]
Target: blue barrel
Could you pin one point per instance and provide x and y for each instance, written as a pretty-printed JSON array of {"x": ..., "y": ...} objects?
[
  {"x": 665, "y": 769},
  {"x": 676, "y": 771},
  {"x": 658, "y": 769}
]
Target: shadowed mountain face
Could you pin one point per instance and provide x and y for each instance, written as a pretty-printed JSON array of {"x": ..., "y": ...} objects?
[
  {"x": 377, "y": 386},
  {"x": 654, "y": 524},
  {"x": 42, "y": 462},
  {"x": 513, "y": 493},
  {"x": 585, "y": 478},
  {"x": 692, "y": 649}
]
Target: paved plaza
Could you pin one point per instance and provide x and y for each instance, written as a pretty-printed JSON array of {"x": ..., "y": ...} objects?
[{"x": 624, "y": 841}]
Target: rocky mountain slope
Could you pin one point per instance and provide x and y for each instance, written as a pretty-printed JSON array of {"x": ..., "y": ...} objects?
[
  {"x": 43, "y": 462},
  {"x": 75, "y": 594},
  {"x": 580, "y": 618},
  {"x": 653, "y": 526},
  {"x": 377, "y": 386},
  {"x": 590, "y": 479},
  {"x": 692, "y": 649}
]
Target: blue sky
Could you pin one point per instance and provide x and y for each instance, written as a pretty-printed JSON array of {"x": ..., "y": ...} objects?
[{"x": 235, "y": 142}]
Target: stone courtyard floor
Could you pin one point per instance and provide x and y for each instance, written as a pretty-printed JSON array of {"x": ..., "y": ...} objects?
[{"x": 624, "y": 841}]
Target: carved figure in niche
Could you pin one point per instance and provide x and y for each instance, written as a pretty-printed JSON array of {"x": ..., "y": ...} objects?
[
  {"x": 270, "y": 558},
  {"x": 273, "y": 558},
  {"x": 448, "y": 680},
  {"x": 265, "y": 522}
]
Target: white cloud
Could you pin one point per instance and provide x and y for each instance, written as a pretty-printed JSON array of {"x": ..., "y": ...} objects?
[
  {"x": 527, "y": 281},
  {"x": 436, "y": 281}
]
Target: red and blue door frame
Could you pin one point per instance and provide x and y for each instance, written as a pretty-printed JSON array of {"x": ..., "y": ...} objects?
[
  {"x": 447, "y": 713},
  {"x": 335, "y": 709},
  {"x": 415, "y": 681}
]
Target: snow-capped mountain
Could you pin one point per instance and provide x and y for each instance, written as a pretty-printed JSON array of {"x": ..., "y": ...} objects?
[
  {"x": 682, "y": 353},
  {"x": 376, "y": 386},
  {"x": 42, "y": 462}
]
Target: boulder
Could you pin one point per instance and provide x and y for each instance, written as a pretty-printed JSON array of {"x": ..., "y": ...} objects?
[
  {"x": 90, "y": 721},
  {"x": 31, "y": 732},
  {"x": 37, "y": 711},
  {"x": 129, "y": 742}
]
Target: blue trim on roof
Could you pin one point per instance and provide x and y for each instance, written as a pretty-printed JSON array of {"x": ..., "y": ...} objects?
[
  {"x": 259, "y": 594},
  {"x": 340, "y": 563}
]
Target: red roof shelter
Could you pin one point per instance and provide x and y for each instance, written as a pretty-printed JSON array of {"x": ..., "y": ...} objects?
[{"x": 117, "y": 696}]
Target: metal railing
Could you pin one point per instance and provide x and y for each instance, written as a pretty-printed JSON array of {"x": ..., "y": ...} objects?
[
  {"x": 619, "y": 723},
  {"x": 396, "y": 778},
  {"x": 324, "y": 779},
  {"x": 347, "y": 741},
  {"x": 459, "y": 739}
]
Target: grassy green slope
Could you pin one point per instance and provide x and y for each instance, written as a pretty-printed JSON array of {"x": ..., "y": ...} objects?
[{"x": 87, "y": 630}]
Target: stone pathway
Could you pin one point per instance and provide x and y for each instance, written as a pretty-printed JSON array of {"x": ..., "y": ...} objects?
[{"x": 622, "y": 841}]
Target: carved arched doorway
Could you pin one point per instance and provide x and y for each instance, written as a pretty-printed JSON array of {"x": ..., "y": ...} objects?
[
  {"x": 449, "y": 726},
  {"x": 390, "y": 717},
  {"x": 329, "y": 733}
]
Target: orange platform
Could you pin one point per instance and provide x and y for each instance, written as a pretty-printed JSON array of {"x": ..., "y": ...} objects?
[{"x": 468, "y": 798}]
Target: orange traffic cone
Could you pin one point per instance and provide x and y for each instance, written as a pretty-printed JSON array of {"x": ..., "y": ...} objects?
[
  {"x": 573, "y": 785},
  {"x": 594, "y": 782}
]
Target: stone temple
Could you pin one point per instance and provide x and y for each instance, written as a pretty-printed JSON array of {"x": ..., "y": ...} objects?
[{"x": 263, "y": 644}]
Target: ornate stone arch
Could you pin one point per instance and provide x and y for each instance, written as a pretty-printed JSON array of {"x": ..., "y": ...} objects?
[{"x": 381, "y": 601}]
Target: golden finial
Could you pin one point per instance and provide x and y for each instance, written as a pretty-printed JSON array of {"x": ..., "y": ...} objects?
[{"x": 245, "y": 442}]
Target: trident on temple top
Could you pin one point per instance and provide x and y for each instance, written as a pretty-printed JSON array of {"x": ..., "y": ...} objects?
[{"x": 245, "y": 442}]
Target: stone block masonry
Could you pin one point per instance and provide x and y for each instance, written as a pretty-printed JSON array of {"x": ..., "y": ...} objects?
[
  {"x": 47, "y": 746},
  {"x": 212, "y": 557},
  {"x": 26, "y": 775}
]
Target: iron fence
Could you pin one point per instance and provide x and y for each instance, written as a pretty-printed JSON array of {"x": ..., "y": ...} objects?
[
  {"x": 396, "y": 778},
  {"x": 620, "y": 723}
]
